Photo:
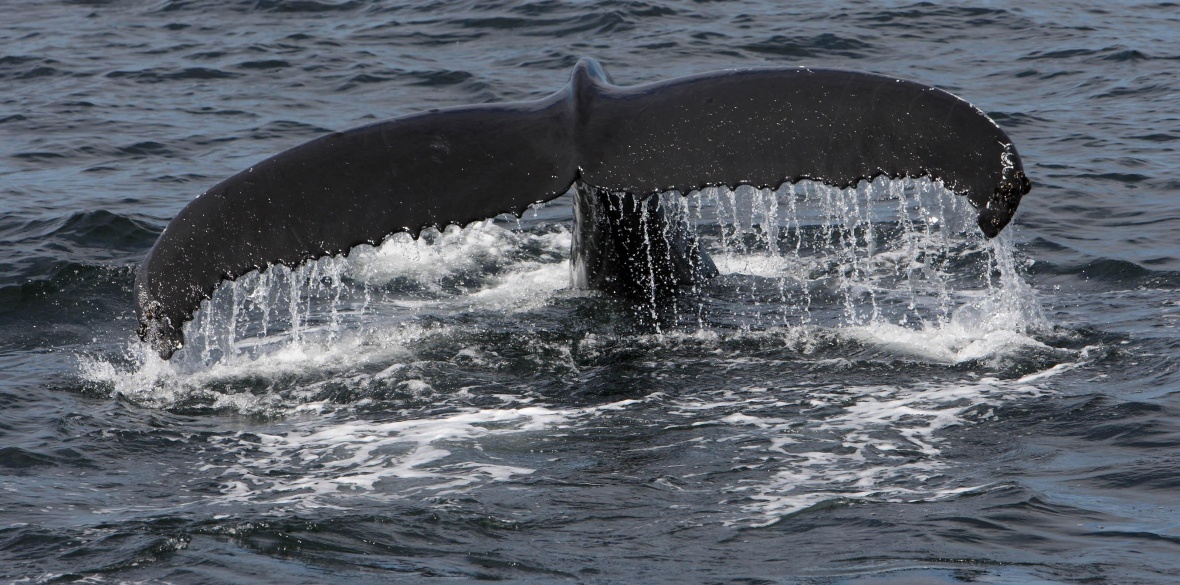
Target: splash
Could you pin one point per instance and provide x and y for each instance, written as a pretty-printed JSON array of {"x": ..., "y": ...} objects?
[
  {"x": 313, "y": 305},
  {"x": 267, "y": 342},
  {"x": 886, "y": 251},
  {"x": 894, "y": 264}
]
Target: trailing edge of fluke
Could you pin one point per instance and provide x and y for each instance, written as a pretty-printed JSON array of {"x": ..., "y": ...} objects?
[{"x": 760, "y": 127}]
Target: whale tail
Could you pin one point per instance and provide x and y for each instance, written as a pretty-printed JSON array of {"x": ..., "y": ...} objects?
[{"x": 760, "y": 127}]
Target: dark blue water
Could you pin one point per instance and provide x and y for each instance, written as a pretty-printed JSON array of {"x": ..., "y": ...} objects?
[{"x": 933, "y": 408}]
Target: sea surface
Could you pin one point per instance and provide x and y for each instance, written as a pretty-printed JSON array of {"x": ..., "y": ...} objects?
[{"x": 870, "y": 393}]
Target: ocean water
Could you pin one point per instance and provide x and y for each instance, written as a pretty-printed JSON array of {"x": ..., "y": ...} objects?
[{"x": 870, "y": 393}]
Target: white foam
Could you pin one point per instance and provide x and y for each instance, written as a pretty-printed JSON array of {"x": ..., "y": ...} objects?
[
  {"x": 879, "y": 443},
  {"x": 433, "y": 256},
  {"x": 949, "y": 344},
  {"x": 153, "y": 382},
  {"x": 527, "y": 287},
  {"x": 433, "y": 456}
]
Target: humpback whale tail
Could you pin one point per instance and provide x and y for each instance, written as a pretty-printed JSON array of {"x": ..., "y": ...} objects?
[{"x": 759, "y": 127}]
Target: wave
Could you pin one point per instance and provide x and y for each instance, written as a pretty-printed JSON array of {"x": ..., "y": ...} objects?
[
  {"x": 98, "y": 228},
  {"x": 817, "y": 46},
  {"x": 157, "y": 75},
  {"x": 306, "y": 6},
  {"x": 77, "y": 257}
]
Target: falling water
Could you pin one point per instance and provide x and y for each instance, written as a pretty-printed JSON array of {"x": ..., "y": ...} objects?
[
  {"x": 903, "y": 252},
  {"x": 279, "y": 306},
  {"x": 887, "y": 253}
]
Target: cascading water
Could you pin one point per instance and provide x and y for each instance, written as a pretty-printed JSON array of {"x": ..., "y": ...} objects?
[
  {"x": 890, "y": 252},
  {"x": 901, "y": 253},
  {"x": 891, "y": 263}
]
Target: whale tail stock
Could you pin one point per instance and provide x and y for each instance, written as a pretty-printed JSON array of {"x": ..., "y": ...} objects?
[{"x": 761, "y": 127}]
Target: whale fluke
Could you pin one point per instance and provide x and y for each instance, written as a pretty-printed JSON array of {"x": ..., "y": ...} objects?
[{"x": 761, "y": 127}]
